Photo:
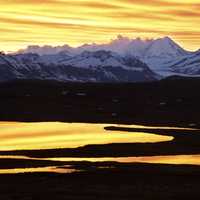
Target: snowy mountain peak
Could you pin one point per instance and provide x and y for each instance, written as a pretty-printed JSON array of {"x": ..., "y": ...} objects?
[
  {"x": 121, "y": 45},
  {"x": 167, "y": 39},
  {"x": 142, "y": 49},
  {"x": 164, "y": 47},
  {"x": 158, "y": 54}
]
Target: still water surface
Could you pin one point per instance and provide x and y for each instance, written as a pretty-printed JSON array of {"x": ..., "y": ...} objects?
[
  {"x": 19, "y": 136},
  {"x": 174, "y": 159},
  {"x": 53, "y": 135}
]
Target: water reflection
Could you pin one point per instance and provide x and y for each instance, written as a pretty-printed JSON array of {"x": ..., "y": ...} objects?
[
  {"x": 155, "y": 127},
  {"x": 172, "y": 159},
  {"x": 18, "y": 136},
  {"x": 54, "y": 169},
  {"x": 54, "y": 135}
]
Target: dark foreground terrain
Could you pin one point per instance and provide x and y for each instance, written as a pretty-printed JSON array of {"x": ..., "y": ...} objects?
[
  {"x": 138, "y": 181},
  {"x": 173, "y": 101}
]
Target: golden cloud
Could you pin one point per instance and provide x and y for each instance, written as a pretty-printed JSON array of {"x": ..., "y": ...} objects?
[{"x": 77, "y": 21}]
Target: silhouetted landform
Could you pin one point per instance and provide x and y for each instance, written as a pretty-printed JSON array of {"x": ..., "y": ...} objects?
[
  {"x": 171, "y": 102},
  {"x": 12, "y": 163},
  {"x": 136, "y": 181}
]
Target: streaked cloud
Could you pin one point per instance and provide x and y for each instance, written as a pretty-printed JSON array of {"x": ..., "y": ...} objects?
[{"x": 55, "y": 22}]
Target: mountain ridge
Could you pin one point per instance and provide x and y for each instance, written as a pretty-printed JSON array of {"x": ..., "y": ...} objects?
[
  {"x": 119, "y": 44},
  {"x": 98, "y": 66},
  {"x": 163, "y": 55}
]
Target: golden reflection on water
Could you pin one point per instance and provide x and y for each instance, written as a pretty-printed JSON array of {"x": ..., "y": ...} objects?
[
  {"x": 54, "y": 169},
  {"x": 51, "y": 135},
  {"x": 173, "y": 159},
  {"x": 156, "y": 127}
]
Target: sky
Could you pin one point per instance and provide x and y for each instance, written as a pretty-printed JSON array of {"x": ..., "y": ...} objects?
[{"x": 75, "y": 22}]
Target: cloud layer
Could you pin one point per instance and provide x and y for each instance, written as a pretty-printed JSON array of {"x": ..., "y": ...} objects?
[{"x": 55, "y": 22}]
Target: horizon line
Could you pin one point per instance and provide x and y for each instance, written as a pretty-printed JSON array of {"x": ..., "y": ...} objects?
[{"x": 116, "y": 38}]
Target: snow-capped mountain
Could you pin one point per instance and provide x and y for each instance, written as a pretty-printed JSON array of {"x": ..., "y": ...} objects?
[
  {"x": 102, "y": 58},
  {"x": 97, "y": 66},
  {"x": 158, "y": 54},
  {"x": 155, "y": 53},
  {"x": 189, "y": 65},
  {"x": 164, "y": 47},
  {"x": 143, "y": 49}
]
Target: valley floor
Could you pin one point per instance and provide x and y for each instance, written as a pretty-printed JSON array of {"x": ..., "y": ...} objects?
[{"x": 169, "y": 103}]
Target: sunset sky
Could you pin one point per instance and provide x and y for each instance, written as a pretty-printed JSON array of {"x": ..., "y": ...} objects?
[{"x": 74, "y": 22}]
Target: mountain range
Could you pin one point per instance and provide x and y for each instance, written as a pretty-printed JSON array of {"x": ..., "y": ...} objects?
[
  {"x": 98, "y": 66},
  {"x": 121, "y": 60}
]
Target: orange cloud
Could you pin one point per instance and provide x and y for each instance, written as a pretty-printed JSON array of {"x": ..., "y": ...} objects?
[
  {"x": 26, "y": 22},
  {"x": 27, "y": 1},
  {"x": 183, "y": 13}
]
